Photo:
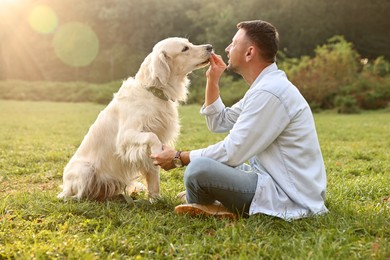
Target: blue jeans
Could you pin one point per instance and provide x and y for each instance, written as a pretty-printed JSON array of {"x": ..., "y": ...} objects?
[{"x": 207, "y": 180}]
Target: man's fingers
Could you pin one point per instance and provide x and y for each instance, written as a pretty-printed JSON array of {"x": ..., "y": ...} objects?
[
  {"x": 215, "y": 57},
  {"x": 217, "y": 60},
  {"x": 212, "y": 59}
]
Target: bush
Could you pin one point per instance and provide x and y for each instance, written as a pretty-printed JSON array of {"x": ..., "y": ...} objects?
[
  {"x": 336, "y": 77},
  {"x": 58, "y": 91},
  {"x": 320, "y": 78},
  {"x": 377, "y": 95},
  {"x": 369, "y": 91},
  {"x": 380, "y": 67},
  {"x": 346, "y": 104}
]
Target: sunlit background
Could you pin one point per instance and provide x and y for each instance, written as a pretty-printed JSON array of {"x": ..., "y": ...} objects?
[
  {"x": 74, "y": 43},
  {"x": 42, "y": 19},
  {"x": 32, "y": 32},
  {"x": 102, "y": 41}
]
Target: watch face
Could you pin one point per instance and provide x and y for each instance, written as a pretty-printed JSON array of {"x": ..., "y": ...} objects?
[{"x": 177, "y": 162}]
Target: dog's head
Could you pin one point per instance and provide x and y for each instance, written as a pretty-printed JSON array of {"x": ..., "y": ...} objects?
[{"x": 178, "y": 57}]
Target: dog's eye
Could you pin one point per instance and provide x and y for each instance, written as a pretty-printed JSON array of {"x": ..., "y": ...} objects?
[{"x": 186, "y": 48}]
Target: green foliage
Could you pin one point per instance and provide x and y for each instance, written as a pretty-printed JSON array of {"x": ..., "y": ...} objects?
[
  {"x": 58, "y": 91},
  {"x": 379, "y": 67},
  {"x": 231, "y": 90},
  {"x": 128, "y": 29},
  {"x": 336, "y": 78},
  {"x": 38, "y": 139},
  {"x": 320, "y": 78},
  {"x": 370, "y": 91},
  {"x": 346, "y": 104}
]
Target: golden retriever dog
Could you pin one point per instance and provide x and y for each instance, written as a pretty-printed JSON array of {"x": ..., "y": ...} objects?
[{"x": 140, "y": 118}]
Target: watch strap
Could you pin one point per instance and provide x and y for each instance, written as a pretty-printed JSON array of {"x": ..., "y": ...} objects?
[
  {"x": 177, "y": 156},
  {"x": 177, "y": 160}
]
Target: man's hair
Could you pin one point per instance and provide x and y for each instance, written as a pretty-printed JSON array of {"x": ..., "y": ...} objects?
[{"x": 264, "y": 35}]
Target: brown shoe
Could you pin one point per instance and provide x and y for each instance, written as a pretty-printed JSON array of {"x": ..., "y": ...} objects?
[{"x": 193, "y": 209}]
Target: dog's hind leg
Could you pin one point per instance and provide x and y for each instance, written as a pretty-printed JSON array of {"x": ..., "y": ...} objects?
[{"x": 77, "y": 179}]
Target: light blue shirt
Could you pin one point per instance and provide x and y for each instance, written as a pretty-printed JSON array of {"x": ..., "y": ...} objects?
[{"x": 272, "y": 128}]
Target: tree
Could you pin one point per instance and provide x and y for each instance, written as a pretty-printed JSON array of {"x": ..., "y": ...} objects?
[{"x": 128, "y": 29}]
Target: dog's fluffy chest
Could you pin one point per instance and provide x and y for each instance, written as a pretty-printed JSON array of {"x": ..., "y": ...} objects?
[{"x": 164, "y": 122}]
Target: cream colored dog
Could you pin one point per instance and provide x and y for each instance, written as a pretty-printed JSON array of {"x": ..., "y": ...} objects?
[{"x": 141, "y": 117}]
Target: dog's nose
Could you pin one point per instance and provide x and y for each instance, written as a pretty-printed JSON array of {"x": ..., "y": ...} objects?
[{"x": 209, "y": 47}]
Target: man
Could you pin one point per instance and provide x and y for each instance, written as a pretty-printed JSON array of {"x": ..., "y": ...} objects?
[{"x": 271, "y": 128}]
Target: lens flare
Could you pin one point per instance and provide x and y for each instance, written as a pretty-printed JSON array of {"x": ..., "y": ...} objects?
[
  {"x": 43, "y": 19},
  {"x": 76, "y": 44},
  {"x": 10, "y": 1}
]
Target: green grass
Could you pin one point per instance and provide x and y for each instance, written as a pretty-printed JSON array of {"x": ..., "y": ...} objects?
[{"x": 38, "y": 138}]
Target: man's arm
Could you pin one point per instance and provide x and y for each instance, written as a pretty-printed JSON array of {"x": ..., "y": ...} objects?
[{"x": 213, "y": 74}]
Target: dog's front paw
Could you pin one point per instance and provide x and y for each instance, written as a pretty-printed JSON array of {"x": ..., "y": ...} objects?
[
  {"x": 61, "y": 195},
  {"x": 154, "y": 198},
  {"x": 65, "y": 197},
  {"x": 156, "y": 148}
]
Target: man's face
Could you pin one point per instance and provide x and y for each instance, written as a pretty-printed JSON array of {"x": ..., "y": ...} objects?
[{"x": 236, "y": 51}]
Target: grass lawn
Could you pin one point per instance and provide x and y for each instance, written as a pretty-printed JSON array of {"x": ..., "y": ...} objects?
[{"x": 38, "y": 138}]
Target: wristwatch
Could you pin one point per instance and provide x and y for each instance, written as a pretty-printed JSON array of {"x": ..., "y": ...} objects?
[{"x": 177, "y": 161}]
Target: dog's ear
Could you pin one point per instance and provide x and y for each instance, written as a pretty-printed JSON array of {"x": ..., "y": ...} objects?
[{"x": 160, "y": 68}]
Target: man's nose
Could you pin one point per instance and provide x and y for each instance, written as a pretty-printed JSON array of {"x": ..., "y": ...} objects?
[{"x": 227, "y": 49}]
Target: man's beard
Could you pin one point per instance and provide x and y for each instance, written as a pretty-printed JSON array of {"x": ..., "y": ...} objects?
[{"x": 232, "y": 68}]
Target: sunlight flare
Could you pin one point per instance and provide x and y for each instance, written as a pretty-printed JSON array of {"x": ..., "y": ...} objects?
[
  {"x": 76, "y": 44},
  {"x": 43, "y": 19},
  {"x": 9, "y": 1}
]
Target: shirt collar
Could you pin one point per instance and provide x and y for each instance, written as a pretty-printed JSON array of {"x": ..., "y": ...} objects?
[{"x": 270, "y": 68}]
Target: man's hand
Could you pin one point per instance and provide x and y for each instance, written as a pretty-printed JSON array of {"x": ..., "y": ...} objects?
[
  {"x": 165, "y": 158},
  {"x": 217, "y": 67}
]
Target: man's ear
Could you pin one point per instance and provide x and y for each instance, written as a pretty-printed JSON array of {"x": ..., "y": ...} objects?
[
  {"x": 160, "y": 68},
  {"x": 250, "y": 53}
]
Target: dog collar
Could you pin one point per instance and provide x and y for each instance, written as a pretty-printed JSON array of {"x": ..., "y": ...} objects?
[{"x": 157, "y": 92}]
